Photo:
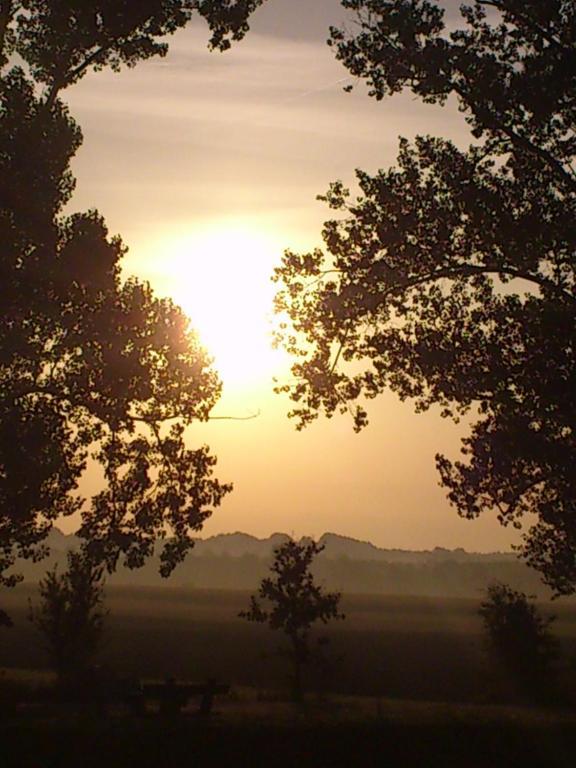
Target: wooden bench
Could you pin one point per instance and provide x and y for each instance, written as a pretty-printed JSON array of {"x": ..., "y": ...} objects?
[{"x": 172, "y": 696}]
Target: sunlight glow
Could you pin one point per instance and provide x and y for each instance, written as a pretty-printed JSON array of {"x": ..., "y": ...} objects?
[{"x": 221, "y": 279}]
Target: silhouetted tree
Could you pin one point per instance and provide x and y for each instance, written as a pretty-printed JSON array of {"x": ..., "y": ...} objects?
[
  {"x": 291, "y": 601},
  {"x": 519, "y": 640},
  {"x": 451, "y": 278},
  {"x": 91, "y": 365},
  {"x": 70, "y": 615}
]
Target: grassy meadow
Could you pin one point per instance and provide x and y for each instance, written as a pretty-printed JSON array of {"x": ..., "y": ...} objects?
[
  {"x": 426, "y": 649},
  {"x": 406, "y": 683}
]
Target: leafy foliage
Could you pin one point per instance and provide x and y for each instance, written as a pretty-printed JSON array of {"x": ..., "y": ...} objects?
[
  {"x": 70, "y": 615},
  {"x": 61, "y": 41},
  {"x": 91, "y": 367},
  {"x": 519, "y": 639},
  {"x": 291, "y": 601},
  {"x": 451, "y": 278}
]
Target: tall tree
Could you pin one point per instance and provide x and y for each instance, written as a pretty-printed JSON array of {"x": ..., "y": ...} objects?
[
  {"x": 451, "y": 278},
  {"x": 92, "y": 367}
]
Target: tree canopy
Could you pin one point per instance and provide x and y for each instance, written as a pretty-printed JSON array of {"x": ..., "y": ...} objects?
[
  {"x": 451, "y": 277},
  {"x": 92, "y": 367}
]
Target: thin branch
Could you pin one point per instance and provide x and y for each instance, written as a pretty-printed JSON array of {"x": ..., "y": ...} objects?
[
  {"x": 489, "y": 121},
  {"x": 545, "y": 156},
  {"x": 469, "y": 270},
  {"x": 66, "y": 80},
  {"x": 317, "y": 280},
  {"x": 153, "y": 422},
  {"x": 339, "y": 352},
  {"x": 512, "y": 505},
  {"x": 41, "y": 391},
  {"x": 77, "y": 71},
  {"x": 235, "y": 418}
]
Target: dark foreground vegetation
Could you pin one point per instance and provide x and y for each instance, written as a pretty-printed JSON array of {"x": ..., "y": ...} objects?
[
  {"x": 301, "y": 742},
  {"x": 402, "y": 679}
]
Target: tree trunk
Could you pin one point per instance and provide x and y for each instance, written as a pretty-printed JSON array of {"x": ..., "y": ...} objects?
[
  {"x": 299, "y": 658},
  {"x": 297, "y": 690}
]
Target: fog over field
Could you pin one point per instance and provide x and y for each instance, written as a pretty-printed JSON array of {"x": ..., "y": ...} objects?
[{"x": 240, "y": 561}]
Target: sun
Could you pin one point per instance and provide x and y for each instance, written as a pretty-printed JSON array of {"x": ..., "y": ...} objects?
[{"x": 221, "y": 279}]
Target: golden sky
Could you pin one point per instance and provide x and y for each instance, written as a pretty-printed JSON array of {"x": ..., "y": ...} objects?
[{"x": 208, "y": 166}]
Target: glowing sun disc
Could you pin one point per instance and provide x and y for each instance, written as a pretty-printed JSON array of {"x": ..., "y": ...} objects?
[{"x": 222, "y": 282}]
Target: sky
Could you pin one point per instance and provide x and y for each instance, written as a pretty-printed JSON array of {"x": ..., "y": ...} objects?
[{"x": 208, "y": 165}]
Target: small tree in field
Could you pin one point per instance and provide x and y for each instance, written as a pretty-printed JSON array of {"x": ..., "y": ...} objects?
[
  {"x": 519, "y": 639},
  {"x": 289, "y": 600},
  {"x": 70, "y": 615}
]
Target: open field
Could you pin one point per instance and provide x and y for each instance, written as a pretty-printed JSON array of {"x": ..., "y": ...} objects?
[
  {"x": 411, "y": 648},
  {"x": 407, "y": 685}
]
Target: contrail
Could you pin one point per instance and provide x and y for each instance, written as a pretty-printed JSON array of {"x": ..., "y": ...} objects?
[{"x": 312, "y": 91}]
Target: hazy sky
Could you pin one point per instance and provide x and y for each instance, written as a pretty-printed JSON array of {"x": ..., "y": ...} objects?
[{"x": 208, "y": 165}]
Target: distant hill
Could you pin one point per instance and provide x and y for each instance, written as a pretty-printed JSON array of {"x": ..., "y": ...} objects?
[
  {"x": 238, "y": 560},
  {"x": 344, "y": 546},
  {"x": 238, "y": 544}
]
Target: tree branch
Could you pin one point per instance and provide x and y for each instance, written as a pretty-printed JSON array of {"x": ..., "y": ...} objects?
[
  {"x": 60, "y": 83},
  {"x": 77, "y": 71},
  {"x": 526, "y": 19},
  {"x": 235, "y": 418},
  {"x": 522, "y": 491},
  {"x": 338, "y": 354},
  {"x": 171, "y": 416},
  {"x": 490, "y": 122},
  {"x": 469, "y": 270}
]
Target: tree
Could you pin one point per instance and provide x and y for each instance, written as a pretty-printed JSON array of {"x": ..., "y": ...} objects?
[
  {"x": 70, "y": 615},
  {"x": 91, "y": 367},
  {"x": 451, "y": 278},
  {"x": 291, "y": 601},
  {"x": 519, "y": 639}
]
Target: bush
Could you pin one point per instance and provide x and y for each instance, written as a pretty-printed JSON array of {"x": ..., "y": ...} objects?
[
  {"x": 70, "y": 616},
  {"x": 520, "y": 642}
]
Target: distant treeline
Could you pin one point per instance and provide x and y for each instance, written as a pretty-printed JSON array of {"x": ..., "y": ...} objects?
[
  {"x": 238, "y": 561},
  {"x": 446, "y": 578}
]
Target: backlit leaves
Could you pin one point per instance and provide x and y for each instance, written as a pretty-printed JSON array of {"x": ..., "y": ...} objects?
[{"x": 451, "y": 278}]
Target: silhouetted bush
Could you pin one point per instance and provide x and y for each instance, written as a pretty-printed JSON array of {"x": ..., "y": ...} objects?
[
  {"x": 520, "y": 642},
  {"x": 70, "y": 616}
]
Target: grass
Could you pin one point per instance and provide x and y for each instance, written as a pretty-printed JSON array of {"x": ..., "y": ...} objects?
[
  {"x": 409, "y": 648},
  {"x": 407, "y": 687}
]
